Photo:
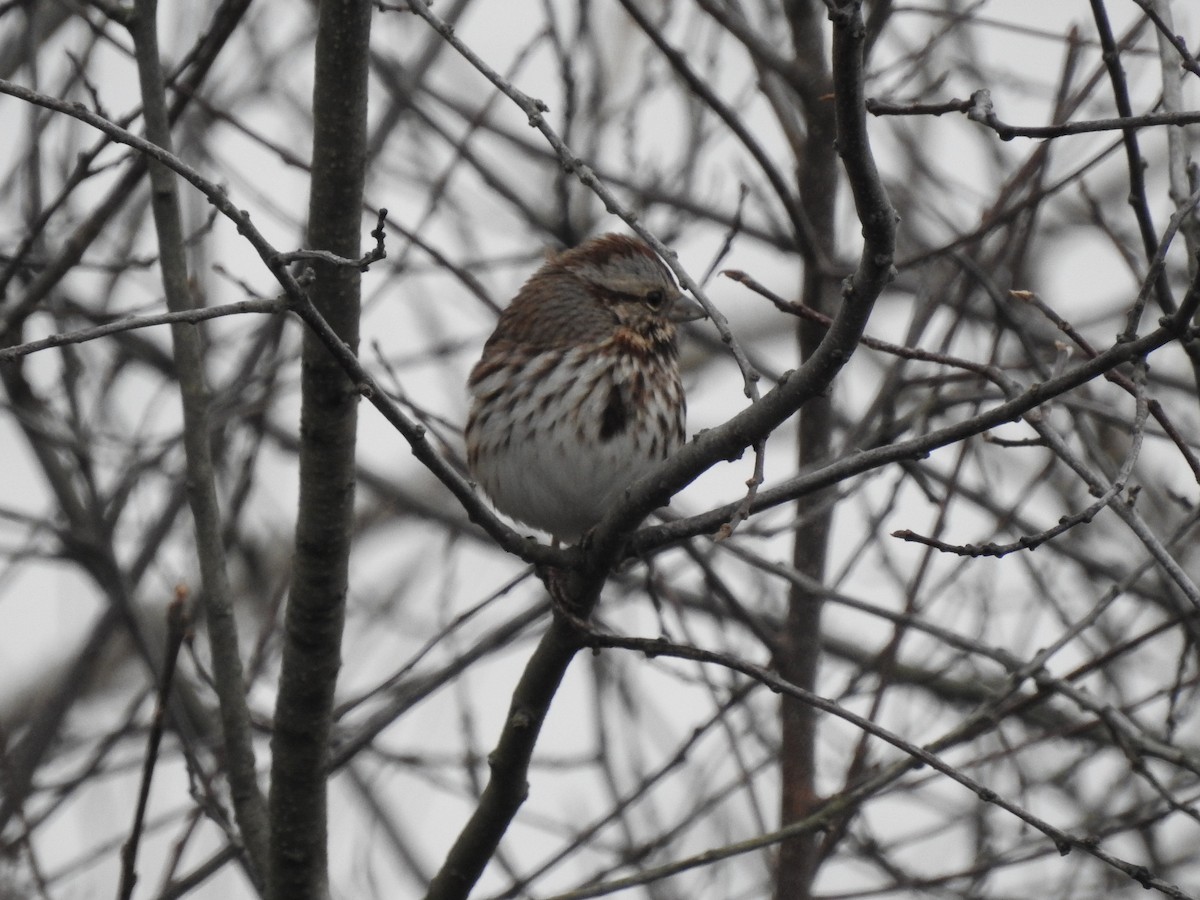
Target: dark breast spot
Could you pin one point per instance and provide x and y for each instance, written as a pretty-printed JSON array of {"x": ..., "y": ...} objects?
[{"x": 615, "y": 416}]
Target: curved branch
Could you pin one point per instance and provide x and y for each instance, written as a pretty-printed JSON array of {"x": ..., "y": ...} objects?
[
  {"x": 579, "y": 589},
  {"x": 874, "y": 271}
]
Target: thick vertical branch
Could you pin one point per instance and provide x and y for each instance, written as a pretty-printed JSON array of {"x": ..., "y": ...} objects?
[
  {"x": 316, "y": 608},
  {"x": 201, "y": 480},
  {"x": 799, "y": 645},
  {"x": 841, "y": 112}
]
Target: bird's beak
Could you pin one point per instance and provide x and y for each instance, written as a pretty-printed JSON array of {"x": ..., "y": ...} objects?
[{"x": 685, "y": 309}]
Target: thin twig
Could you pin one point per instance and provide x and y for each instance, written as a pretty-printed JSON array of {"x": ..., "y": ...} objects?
[
  {"x": 177, "y": 628},
  {"x": 979, "y": 108},
  {"x": 1186, "y": 59},
  {"x": 189, "y": 316},
  {"x": 363, "y": 263}
]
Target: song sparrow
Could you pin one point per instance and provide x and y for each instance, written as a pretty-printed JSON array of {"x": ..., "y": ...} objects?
[{"x": 578, "y": 392}]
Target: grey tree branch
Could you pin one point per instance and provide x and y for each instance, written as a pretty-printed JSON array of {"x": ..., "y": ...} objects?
[
  {"x": 796, "y": 649},
  {"x": 316, "y": 607},
  {"x": 248, "y": 802},
  {"x": 188, "y": 316},
  {"x": 177, "y": 625}
]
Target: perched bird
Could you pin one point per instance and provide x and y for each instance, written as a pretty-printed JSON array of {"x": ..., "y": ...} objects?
[{"x": 578, "y": 392}]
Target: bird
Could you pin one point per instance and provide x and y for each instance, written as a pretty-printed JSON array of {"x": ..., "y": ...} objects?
[{"x": 578, "y": 393}]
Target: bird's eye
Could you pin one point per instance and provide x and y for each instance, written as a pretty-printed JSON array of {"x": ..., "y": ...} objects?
[{"x": 655, "y": 299}]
